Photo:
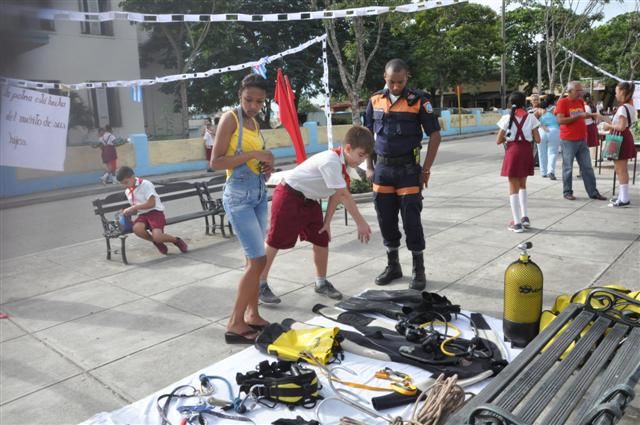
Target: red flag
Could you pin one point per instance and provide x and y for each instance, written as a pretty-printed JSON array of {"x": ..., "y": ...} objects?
[{"x": 285, "y": 99}]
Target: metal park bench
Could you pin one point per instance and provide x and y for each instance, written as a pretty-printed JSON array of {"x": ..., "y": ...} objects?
[
  {"x": 591, "y": 385},
  {"x": 171, "y": 192}
]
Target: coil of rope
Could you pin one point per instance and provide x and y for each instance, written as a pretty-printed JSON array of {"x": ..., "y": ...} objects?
[{"x": 435, "y": 404}]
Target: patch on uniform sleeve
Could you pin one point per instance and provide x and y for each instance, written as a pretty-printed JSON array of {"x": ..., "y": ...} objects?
[{"x": 427, "y": 107}]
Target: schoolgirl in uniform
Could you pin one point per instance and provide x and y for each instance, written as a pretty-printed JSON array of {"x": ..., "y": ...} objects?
[
  {"x": 622, "y": 121},
  {"x": 518, "y": 130}
]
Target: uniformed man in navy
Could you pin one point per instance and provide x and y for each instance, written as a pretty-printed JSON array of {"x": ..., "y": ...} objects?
[{"x": 397, "y": 117}]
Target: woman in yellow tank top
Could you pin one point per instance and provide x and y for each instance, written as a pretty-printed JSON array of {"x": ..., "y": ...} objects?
[{"x": 239, "y": 149}]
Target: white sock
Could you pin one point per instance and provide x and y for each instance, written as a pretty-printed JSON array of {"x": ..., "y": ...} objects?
[
  {"x": 624, "y": 193},
  {"x": 515, "y": 208},
  {"x": 320, "y": 281},
  {"x": 523, "y": 202}
]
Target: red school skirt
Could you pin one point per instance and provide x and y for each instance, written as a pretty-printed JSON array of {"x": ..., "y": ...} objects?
[
  {"x": 593, "y": 138},
  {"x": 627, "y": 149},
  {"x": 518, "y": 160}
]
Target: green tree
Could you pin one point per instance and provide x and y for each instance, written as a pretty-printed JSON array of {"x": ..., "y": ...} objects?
[
  {"x": 175, "y": 45},
  {"x": 615, "y": 45},
  {"x": 238, "y": 42},
  {"x": 523, "y": 26},
  {"x": 562, "y": 21},
  {"x": 354, "y": 43},
  {"x": 453, "y": 45}
]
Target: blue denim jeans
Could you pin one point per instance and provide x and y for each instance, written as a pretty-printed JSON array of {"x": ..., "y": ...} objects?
[
  {"x": 542, "y": 153},
  {"x": 579, "y": 151},
  {"x": 245, "y": 204},
  {"x": 553, "y": 143}
]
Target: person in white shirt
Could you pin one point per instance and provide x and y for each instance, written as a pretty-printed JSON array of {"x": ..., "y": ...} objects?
[
  {"x": 209, "y": 136},
  {"x": 145, "y": 203},
  {"x": 518, "y": 130},
  {"x": 296, "y": 211},
  {"x": 622, "y": 121},
  {"x": 109, "y": 154}
]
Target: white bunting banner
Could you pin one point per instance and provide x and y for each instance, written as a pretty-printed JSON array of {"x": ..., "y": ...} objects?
[
  {"x": 597, "y": 68},
  {"x": 149, "y": 18},
  {"x": 158, "y": 80}
]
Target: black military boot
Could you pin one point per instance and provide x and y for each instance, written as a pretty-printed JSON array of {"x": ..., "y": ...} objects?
[
  {"x": 418, "y": 278},
  {"x": 392, "y": 271}
]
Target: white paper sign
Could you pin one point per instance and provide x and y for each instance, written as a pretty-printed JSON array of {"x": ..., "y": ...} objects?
[
  {"x": 636, "y": 97},
  {"x": 33, "y": 129}
]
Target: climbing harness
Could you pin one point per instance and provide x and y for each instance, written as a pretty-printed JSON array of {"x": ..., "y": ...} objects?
[{"x": 279, "y": 382}]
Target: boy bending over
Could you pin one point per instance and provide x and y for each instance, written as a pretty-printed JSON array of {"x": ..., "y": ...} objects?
[
  {"x": 145, "y": 202},
  {"x": 296, "y": 210}
]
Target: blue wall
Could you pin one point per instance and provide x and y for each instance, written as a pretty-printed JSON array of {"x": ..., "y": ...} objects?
[{"x": 11, "y": 186}]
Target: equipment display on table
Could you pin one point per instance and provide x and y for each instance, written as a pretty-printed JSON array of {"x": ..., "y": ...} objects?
[{"x": 408, "y": 365}]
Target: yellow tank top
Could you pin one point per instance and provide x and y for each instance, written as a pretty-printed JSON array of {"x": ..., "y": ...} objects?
[{"x": 251, "y": 141}]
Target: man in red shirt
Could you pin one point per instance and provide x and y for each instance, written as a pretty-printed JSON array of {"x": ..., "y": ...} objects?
[{"x": 573, "y": 134}]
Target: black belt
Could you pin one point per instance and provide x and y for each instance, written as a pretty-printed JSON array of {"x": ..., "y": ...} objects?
[
  {"x": 298, "y": 193},
  {"x": 397, "y": 160}
]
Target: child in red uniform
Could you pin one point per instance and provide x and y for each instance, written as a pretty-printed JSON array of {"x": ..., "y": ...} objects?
[
  {"x": 145, "y": 202},
  {"x": 518, "y": 130},
  {"x": 296, "y": 210},
  {"x": 109, "y": 154}
]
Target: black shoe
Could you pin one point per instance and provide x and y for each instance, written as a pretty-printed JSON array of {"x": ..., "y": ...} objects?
[
  {"x": 598, "y": 197},
  {"x": 267, "y": 296},
  {"x": 328, "y": 290},
  {"x": 552, "y": 176},
  {"x": 418, "y": 278},
  {"x": 393, "y": 270}
]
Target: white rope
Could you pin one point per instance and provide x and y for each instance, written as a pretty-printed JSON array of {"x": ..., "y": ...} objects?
[
  {"x": 147, "y": 18},
  {"x": 161, "y": 80},
  {"x": 327, "y": 94},
  {"x": 597, "y": 68}
]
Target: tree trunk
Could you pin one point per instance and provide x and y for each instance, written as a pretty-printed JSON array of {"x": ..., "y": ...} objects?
[
  {"x": 184, "y": 109},
  {"x": 355, "y": 107}
]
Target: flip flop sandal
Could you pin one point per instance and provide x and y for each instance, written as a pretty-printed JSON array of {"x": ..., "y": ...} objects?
[
  {"x": 234, "y": 338},
  {"x": 258, "y": 327}
]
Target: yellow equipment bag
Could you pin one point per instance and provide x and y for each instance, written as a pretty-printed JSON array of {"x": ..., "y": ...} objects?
[
  {"x": 296, "y": 344},
  {"x": 600, "y": 302}
]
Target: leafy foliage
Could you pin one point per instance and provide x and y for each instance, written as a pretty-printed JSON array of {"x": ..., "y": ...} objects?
[{"x": 453, "y": 45}]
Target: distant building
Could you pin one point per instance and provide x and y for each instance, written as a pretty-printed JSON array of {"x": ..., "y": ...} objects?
[{"x": 72, "y": 52}]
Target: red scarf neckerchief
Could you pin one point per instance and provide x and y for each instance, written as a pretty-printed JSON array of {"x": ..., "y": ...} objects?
[
  {"x": 136, "y": 183},
  {"x": 346, "y": 176}
]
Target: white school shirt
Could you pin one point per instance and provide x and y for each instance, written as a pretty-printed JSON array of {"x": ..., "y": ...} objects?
[
  {"x": 208, "y": 139},
  {"x": 319, "y": 176},
  {"x": 527, "y": 128},
  {"x": 620, "y": 112},
  {"x": 108, "y": 138},
  {"x": 587, "y": 109},
  {"x": 141, "y": 192}
]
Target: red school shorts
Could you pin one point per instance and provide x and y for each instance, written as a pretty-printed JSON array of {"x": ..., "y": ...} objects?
[
  {"x": 154, "y": 219},
  {"x": 293, "y": 216}
]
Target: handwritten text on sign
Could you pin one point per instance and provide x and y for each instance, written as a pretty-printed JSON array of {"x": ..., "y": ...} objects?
[{"x": 33, "y": 129}]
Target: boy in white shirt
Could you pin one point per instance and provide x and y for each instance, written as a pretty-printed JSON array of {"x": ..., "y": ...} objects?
[
  {"x": 296, "y": 210},
  {"x": 145, "y": 202}
]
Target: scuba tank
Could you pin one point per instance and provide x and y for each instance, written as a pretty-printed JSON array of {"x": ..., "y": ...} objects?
[{"x": 522, "y": 299}]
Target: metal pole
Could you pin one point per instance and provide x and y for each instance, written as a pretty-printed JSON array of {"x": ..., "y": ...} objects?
[
  {"x": 503, "y": 92},
  {"x": 539, "y": 70}
]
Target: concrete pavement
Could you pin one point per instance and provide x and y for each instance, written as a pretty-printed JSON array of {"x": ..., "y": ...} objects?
[{"x": 87, "y": 335}]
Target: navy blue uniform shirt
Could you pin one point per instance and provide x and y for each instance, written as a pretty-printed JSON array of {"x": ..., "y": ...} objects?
[{"x": 398, "y": 127}]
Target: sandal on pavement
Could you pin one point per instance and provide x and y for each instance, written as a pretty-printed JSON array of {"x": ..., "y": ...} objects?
[
  {"x": 243, "y": 338},
  {"x": 258, "y": 328}
]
